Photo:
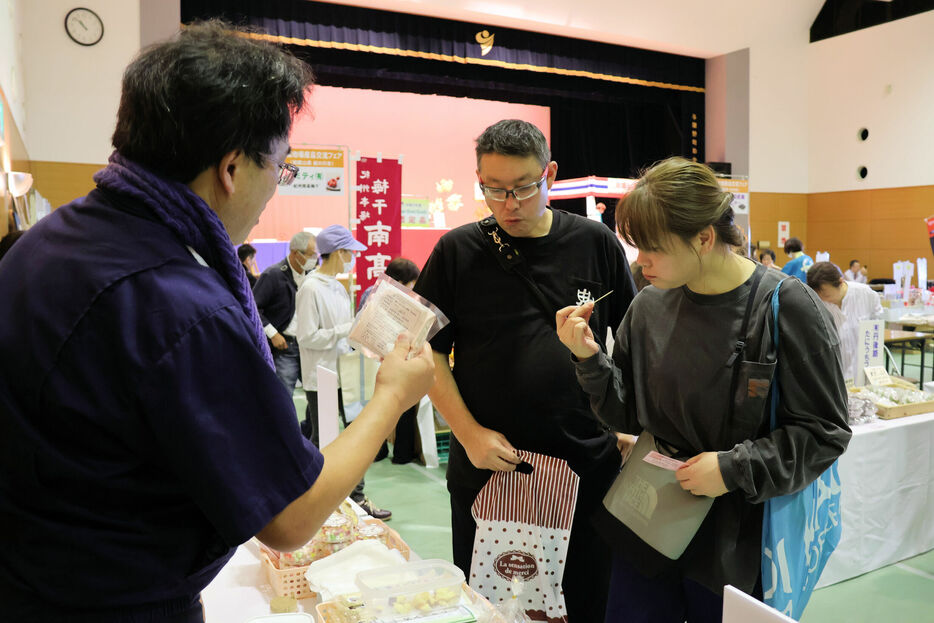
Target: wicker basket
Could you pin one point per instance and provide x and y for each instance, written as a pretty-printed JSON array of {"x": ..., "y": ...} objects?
[{"x": 291, "y": 582}]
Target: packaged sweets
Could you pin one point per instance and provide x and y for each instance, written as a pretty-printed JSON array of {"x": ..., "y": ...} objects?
[
  {"x": 299, "y": 558},
  {"x": 337, "y": 529},
  {"x": 337, "y": 533},
  {"x": 373, "y": 531}
]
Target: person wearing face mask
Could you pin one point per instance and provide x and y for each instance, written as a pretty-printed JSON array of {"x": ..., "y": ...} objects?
[
  {"x": 275, "y": 292},
  {"x": 325, "y": 315}
]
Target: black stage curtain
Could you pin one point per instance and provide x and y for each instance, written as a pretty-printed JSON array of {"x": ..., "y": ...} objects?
[{"x": 614, "y": 110}]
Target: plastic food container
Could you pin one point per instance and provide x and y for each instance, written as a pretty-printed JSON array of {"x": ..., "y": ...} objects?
[
  {"x": 415, "y": 588},
  {"x": 302, "y": 557},
  {"x": 337, "y": 529},
  {"x": 337, "y": 533},
  {"x": 291, "y": 617},
  {"x": 375, "y": 532}
]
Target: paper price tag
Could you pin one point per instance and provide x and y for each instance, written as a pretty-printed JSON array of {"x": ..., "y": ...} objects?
[
  {"x": 660, "y": 460},
  {"x": 876, "y": 375}
]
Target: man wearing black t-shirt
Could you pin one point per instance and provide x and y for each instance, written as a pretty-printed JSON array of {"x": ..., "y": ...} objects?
[{"x": 513, "y": 385}]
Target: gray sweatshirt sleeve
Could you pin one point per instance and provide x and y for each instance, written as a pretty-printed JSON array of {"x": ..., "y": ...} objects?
[
  {"x": 609, "y": 383},
  {"x": 811, "y": 420}
]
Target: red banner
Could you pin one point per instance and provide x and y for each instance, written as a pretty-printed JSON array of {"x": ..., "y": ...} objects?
[{"x": 379, "y": 217}]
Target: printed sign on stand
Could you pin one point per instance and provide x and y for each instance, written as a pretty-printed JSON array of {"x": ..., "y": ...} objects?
[
  {"x": 740, "y": 190},
  {"x": 869, "y": 353},
  {"x": 877, "y": 375},
  {"x": 416, "y": 212},
  {"x": 784, "y": 233},
  {"x": 378, "y": 209},
  {"x": 321, "y": 171}
]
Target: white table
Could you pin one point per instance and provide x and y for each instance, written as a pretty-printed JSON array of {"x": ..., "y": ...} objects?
[
  {"x": 887, "y": 475},
  {"x": 240, "y": 591}
]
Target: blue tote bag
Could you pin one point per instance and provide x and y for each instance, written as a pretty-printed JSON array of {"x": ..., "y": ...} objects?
[{"x": 799, "y": 531}]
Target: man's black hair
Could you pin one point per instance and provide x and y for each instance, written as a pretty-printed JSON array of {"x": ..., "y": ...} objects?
[
  {"x": 793, "y": 245},
  {"x": 402, "y": 270},
  {"x": 245, "y": 250},
  {"x": 513, "y": 137},
  {"x": 188, "y": 102}
]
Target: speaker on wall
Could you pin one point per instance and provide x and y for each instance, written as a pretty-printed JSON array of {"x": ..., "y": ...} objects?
[{"x": 721, "y": 168}]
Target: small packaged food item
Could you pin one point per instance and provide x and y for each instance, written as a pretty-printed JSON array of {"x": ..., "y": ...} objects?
[
  {"x": 351, "y": 601},
  {"x": 372, "y": 531},
  {"x": 301, "y": 557},
  {"x": 337, "y": 529},
  {"x": 389, "y": 310},
  {"x": 415, "y": 588},
  {"x": 337, "y": 533},
  {"x": 281, "y": 605}
]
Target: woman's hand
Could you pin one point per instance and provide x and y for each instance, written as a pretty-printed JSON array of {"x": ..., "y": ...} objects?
[
  {"x": 701, "y": 475},
  {"x": 625, "y": 443},
  {"x": 573, "y": 325}
]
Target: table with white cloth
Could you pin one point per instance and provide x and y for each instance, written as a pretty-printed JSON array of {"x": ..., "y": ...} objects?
[
  {"x": 887, "y": 479},
  {"x": 240, "y": 591}
]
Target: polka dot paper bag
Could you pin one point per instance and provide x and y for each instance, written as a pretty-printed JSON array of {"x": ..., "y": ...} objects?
[{"x": 523, "y": 527}]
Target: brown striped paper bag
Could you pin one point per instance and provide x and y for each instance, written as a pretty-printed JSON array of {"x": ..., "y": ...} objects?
[{"x": 523, "y": 527}]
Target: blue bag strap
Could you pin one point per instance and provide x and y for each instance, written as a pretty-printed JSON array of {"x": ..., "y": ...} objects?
[{"x": 774, "y": 393}]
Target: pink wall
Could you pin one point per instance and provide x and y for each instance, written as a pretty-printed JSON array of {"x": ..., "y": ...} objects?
[{"x": 434, "y": 134}]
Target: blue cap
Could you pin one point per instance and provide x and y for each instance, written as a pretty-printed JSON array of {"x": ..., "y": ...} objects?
[{"x": 336, "y": 237}]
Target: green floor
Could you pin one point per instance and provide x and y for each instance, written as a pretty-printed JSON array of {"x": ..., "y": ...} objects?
[{"x": 909, "y": 366}]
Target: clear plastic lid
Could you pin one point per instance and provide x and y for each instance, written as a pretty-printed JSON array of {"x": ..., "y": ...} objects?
[
  {"x": 371, "y": 531},
  {"x": 413, "y": 577},
  {"x": 337, "y": 529}
]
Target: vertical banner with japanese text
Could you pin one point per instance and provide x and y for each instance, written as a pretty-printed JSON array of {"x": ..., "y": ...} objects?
[{"x": 378, "y": 208}]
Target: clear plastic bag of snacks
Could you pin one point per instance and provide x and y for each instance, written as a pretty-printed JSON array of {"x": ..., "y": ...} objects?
[{"x": 391, "y": 309}]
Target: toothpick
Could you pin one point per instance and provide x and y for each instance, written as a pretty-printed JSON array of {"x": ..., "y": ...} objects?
[{"x": 603, "y": 297}]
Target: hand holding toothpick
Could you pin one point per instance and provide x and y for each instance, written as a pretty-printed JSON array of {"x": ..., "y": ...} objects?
[{"x": 573, "y": 325}]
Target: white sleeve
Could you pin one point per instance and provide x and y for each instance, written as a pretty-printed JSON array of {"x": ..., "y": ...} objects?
[{"x": 310, "y": 333}]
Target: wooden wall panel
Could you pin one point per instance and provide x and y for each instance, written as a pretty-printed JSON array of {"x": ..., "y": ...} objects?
[
  {"x": 839, "y": 207},
  {"x": 913, "y": 202},
  {"x": 878, "y": 226},
  {"x": 61, "y": 182},
  {"x": 767, "y": 209},
  {"x": 826, "y": 235}
]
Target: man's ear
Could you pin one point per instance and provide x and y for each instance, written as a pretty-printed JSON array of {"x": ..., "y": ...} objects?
[
  {"x": 229, "y": 171},
  {"x": 552, "y": 173}
]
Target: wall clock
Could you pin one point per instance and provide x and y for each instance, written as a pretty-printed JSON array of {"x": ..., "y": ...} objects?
[{"x": 84, "y": 26}]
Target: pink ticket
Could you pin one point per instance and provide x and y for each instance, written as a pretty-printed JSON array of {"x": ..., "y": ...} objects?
[{"x": 660, "y": 460}]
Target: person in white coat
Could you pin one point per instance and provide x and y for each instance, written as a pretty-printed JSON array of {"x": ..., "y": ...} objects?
[
  {"x": 849, "y": 302},
  {"x": 325, "y": 314}
]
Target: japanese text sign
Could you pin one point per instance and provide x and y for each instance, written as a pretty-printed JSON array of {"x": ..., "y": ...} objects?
[
  {"x": 869, "y": 353},
  {"x": 320, "y": 171},
  {"x": 378, "y": 206}
]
